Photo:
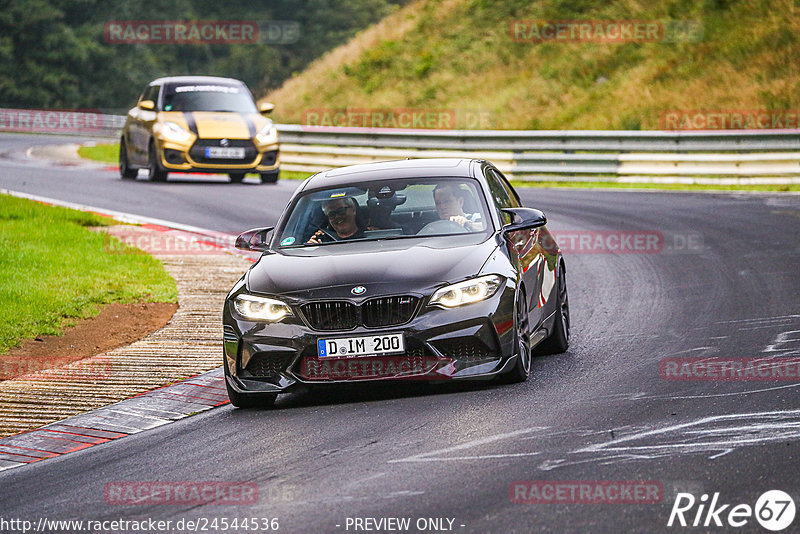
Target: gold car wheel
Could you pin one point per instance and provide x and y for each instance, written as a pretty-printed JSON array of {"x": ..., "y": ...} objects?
[
  {"x": 125, "y": 170},
  {"x": 155, "y": 172}
]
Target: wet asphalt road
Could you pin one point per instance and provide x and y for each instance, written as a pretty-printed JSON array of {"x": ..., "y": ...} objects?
[{"x": 723, "y": 284}]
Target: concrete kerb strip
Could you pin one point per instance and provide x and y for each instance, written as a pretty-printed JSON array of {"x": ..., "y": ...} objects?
[
  {"x": 112, "y": 395},
  {"x": 66, "y": 155}
]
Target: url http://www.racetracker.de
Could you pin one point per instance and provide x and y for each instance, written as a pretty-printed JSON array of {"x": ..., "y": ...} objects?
[{"x": 201, "y": 524}]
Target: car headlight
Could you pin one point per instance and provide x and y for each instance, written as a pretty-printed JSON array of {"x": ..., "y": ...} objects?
[
  {"x": 261, "y": 308},
  {"x": 175, "y": 132},
  {"x": 467, "y": 292},
  {"x": 267, "y": 134}
]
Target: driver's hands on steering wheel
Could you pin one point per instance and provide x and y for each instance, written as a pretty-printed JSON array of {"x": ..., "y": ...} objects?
[
  {"x": 315, "y": 239},
  {"x": 463, "y": 221}
]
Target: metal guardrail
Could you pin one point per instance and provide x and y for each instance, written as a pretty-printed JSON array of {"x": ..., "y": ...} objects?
[
  {"x": 724, "y": 156},
  {"x": 533, "y": 140},
  {"x": 730, "y": 156}
]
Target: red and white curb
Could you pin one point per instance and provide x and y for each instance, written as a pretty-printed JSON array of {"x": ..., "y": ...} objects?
[
  {"x": 130, "y": 416},
  {"x": 136, "y": 414}
]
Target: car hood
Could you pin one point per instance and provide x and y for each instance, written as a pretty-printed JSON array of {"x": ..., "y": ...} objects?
[
  {"x": 394, "y": 268},
  {"x": 219, "y": 124}
]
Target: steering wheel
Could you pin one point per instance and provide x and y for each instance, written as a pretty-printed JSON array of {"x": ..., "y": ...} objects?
[
  {"x": 442, "y": 227},
  {"x": 327, "y": 233}
]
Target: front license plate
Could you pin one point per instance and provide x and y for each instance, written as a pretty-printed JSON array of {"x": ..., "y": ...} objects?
[
  {"x": 223, "y": 152},
  {"x": 361, "y": 346}
]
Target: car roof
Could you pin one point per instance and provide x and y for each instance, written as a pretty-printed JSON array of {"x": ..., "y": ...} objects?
[
  {"x": 196, "y": 79},
  {"x": 389, "y": 170}
]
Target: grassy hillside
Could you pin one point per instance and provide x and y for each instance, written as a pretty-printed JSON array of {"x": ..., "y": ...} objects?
[{"x": 459, "y": 55}]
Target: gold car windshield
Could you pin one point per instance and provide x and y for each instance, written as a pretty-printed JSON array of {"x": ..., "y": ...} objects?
[{"x": 208, "y": 97}]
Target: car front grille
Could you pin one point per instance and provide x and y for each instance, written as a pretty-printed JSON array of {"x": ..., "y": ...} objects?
[
  {"x": 332, "y": 315},
  {"x": 374, "y": 313},
  {"x": 269, "y": 364},
  {"x": 388, "y": 311},
  {"x": 198, "y": 151}
]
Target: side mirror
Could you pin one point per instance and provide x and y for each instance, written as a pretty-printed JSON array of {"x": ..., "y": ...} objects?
[
  {"x": 266, "y": 107},
  {"x": 524, "y": 219},
  {"x": 254, "y": 240},
  {"x": 147, "y": 105}
]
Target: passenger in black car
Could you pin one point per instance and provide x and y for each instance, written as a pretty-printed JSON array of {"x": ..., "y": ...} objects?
[{"x": 341, "y": 214}]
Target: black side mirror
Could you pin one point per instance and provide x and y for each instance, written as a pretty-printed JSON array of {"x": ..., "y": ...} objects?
[
  {"x": 524, "y": 219},
  {"x": 254, "y": 240}
]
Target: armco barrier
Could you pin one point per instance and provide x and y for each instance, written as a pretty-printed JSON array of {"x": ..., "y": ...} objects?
[
  {"x": 711, "y": 156},
  {"x": 731, "y": 156}
]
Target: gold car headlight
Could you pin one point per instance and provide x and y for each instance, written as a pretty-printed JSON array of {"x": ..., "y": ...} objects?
[
  {"x": 173, "y": 131},
  {"x": 261, "y": 308},
  {"x": 467, "y": 292},
  {"x": 268, "y": 134}
]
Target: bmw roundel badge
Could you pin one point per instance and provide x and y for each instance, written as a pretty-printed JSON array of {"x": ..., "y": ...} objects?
[{"x": 358, "y": 290}]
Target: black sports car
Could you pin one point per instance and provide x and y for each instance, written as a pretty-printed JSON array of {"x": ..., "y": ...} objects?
[{"x": 426, "y": 269}]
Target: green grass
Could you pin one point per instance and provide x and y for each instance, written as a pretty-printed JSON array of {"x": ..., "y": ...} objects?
[
  {"x": 103, "y": 152},
  {"x": 460, "y": 56},
  {"x": 295, "y": 175},
  {"x": 54, "y": 270}
]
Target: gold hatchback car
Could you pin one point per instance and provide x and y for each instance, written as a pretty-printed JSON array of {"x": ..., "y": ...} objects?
[{"x": 199, "y": 124}]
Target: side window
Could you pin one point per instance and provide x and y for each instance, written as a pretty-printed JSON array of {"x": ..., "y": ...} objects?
[
  {"x": 502, "y": 195},
  {"x": 515, "y": 201},
  {"x": 151, "y": 93}
]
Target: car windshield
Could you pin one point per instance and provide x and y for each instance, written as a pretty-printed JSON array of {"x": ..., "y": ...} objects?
[
  {"x": 421, "y": 207},
  {"x": 208, "y": 97}
]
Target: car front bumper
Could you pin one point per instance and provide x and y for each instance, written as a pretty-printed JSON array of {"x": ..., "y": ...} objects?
[
  {"x": 176, "y": 157},
  {"x": 475, "y": 341}
]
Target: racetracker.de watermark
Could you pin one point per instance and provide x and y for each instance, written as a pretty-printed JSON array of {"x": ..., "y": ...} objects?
[
  {"x": 165, "y": 243},
  {"x": 736, "y": 119},
  {"x": 147, "y": 493},
  {"x": 626, "y": 241},
  {"x": 50, "y": 121},
  {"x": 398, "y": 118},
  {"x": 369, "y": 368},
  {"x": 55, "y": 369},
  {"x": 585, "y": 492},
  {"x": 604, "y": 31},
  {"x": 730, "y": 369},
  {"x": 184, "y": 32}
]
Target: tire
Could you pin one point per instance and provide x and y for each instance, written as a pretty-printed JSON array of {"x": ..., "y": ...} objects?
[
  {"x": 236, "y": 177},
  {"x": 558, "y": 341},
  {"x": 522, "y": 336},
  {"x": 248, "y": 400},
  {"x": 125, "y": 170},
  {"x": 270, "y": 177},
  {"x": 155, "y": 172}
]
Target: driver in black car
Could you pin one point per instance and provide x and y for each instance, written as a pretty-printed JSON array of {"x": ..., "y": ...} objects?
[
  {"x": 341, "y": 214},
  {"x": 449, "y": 199}
]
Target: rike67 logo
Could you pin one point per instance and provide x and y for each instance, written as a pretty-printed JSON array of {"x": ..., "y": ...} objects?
[{"x": 774, "y": 510}]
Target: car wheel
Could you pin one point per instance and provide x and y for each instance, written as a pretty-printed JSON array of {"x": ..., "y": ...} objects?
[
  {"x": 125, "y": 170},
  {"x": 236, "y": 177},
  {"x": 270, "y": 177},
  {"x": 248, "y": 400},
  {"x": 522, "y": 369},
  {"x": 558, "y": 341},
  {"x": 154, "y": 170}
]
